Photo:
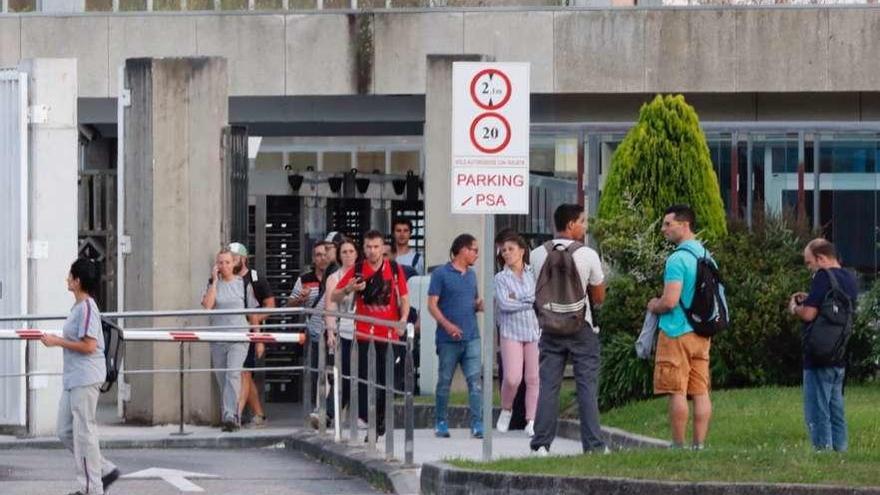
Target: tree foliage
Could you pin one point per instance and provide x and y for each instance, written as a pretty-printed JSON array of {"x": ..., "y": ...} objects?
[{"x": 664, "y": 160}]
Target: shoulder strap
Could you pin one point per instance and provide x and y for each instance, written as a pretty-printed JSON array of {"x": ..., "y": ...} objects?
[
  {"x": 415, "y": 260},
  {"x": 574, "y": 246},
  {"x": 359, "y": 269},
  {"x": 245, "y": 281},
  {"x": 549, "y": 246},
  {"x": 835, "y": 285}
]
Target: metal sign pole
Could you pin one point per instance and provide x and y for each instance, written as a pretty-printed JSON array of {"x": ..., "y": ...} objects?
[{"x": 488, "y": 268}]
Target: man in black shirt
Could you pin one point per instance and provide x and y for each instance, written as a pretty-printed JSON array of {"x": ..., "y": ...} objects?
[
  {"x": 250, "y": 396},
  {"x": 823, "y": 382}
]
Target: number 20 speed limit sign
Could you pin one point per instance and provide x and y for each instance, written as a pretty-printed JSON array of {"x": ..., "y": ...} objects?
[{"x": 490, "y": 137}]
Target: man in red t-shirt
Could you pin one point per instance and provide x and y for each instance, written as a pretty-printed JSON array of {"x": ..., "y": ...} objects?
[{"x": 382, "y": 294}]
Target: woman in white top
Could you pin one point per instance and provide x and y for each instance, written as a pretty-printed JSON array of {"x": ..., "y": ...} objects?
[
  {"x": 346, "y": 256},
  {"x": 84, "y": 372},
  {"x": 515, "y": 297}
]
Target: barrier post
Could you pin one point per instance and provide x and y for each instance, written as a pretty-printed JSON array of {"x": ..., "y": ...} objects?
[
  {"x": 389, "y": 400},
  {"x": 180, "y": 431},
  {"x": 371, "y": 393},
  {"x": 307, "y": 379},
  {"x": 321, "y": 375},
  {"x": 409, "y": 385},
  {"x": 337, "y": 390},
  {"x": 353, "y": 384}
]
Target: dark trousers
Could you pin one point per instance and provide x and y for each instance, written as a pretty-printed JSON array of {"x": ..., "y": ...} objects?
[
  {"x": 583, "y": 347},
  {"x": 363, "y": 403}
]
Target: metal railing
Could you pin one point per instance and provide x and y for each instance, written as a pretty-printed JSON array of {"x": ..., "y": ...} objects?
[
  {"x": 186, "y": 334},
  {"x": 370, "y": 381}
]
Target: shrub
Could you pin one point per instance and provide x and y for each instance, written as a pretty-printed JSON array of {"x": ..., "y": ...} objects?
[
  {"x": 624, "y": 377},
  {"x": 665, "y": 160},
  {"x": 865, "y": 343}
]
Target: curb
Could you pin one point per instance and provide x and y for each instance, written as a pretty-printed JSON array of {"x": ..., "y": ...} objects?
[
  {"x": 218, "y": 442},
  {"x": 444, "y": 479},
  {"x": 389, "y": 476}
]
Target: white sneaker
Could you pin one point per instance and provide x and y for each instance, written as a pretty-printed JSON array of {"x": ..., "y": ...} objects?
[
  {"x": 504, "y": 421},
  {"x": 541, "y": 452},
  {"x": 530, "y": 429},
  {"x": 362, "y": 425}
]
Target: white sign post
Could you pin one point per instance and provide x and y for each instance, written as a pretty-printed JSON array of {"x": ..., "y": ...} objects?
[
  {"x": 490, "y": 138},
  {"x": 490, "y": 173}
]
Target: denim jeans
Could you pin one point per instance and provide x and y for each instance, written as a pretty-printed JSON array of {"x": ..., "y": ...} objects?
[
  {"x": 467, "y": 354},
  {"x": 823, "y": 408}
]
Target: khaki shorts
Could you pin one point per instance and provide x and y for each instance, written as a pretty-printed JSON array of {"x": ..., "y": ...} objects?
[{"x": 682, "y": 365}]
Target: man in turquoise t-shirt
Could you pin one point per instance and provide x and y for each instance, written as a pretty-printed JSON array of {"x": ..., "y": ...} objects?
[{"x": 681, "y": 368}]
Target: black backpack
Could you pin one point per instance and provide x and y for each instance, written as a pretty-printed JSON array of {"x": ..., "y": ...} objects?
[
  {"x": 826, "y": 338},
  {"x": 708, "y": 312},
  {"x": 114, "y": 352}
]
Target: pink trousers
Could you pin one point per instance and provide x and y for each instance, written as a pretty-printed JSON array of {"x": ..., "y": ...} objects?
[{"x": 520, "y": 358}]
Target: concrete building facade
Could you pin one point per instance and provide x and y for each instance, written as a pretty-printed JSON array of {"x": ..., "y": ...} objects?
[{"x": 786, "y": 95}]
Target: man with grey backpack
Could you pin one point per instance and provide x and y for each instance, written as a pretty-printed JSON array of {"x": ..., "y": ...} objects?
[{"x": 570, "y": 280}]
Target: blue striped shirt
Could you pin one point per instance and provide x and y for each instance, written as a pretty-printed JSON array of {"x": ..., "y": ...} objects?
[{"x": 514, "y": 299}]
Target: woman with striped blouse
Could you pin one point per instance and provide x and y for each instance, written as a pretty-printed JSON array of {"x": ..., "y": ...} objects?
[{"x": 515, "y": 296}]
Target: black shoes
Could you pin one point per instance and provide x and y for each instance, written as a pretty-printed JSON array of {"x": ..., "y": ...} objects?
[{"x": 110, "y": 478}]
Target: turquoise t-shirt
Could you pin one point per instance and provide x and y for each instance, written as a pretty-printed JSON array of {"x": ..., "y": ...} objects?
[{"x": 681, "y": 267}]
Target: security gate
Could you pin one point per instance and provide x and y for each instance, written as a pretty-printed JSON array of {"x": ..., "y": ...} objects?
[{"x": 13, "y": 242}]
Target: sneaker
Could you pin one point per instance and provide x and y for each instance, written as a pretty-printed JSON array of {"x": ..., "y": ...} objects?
[
  {"x": 477, "y": 432},
  {"x": 530, "y": 429},
  {"x": 441, "y": 430},
  {"x": 257, "y": 421},
  {"x": 503, "y": 423},
  {"x": 698, "y": 447},
  {"x": 230, "y": 425},
  {"x": 314, "y": 420},
  {"x": 541, "y": 452},
  {"x": 362, "y": 425},
  {"x": 109, "y": 478}
]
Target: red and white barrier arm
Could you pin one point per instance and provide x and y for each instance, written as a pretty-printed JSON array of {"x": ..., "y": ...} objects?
[{"x": 172, "y": 336}]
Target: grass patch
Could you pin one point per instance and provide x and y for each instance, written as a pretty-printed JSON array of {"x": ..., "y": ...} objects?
[{"x": 756, "y": 435}]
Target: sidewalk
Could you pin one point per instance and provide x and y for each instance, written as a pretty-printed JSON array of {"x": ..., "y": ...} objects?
[{"x": 284, "y": 420}]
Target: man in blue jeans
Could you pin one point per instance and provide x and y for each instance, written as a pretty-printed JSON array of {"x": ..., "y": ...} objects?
[
  {"x": 453, "y": 300},
  {"x": 823, "y": 384}
]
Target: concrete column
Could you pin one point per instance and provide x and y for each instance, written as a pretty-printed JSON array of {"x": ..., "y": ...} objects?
[
  {"x": 441, "y": 227},
  {"x": 173, "y": 207},
  {"x": 52, "y": 177}
]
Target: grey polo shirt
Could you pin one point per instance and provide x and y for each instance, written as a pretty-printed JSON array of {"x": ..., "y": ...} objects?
[{"x": 83, "y": 369}]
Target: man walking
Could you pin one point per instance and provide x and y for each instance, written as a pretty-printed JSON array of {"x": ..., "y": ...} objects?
[
  {"x": 250, "y": 395},
  {"x": 381, "y": 290},
  {"x": 453, "y": 300},
  {"x": 824, "y": 366},
  {"x": 681, "y": 368},
  {"x": 403, "y": 253},
  {"x": 586, "y": 283}
]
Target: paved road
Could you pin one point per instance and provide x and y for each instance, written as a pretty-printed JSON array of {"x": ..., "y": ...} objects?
[{"x": 241, "y": 472}]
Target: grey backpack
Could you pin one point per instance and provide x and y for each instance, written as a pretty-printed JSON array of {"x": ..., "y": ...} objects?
[{"x": 560, "y": 298}]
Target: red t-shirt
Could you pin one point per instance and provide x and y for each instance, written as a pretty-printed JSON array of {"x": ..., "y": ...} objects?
[{"x": 391, "y": 311}]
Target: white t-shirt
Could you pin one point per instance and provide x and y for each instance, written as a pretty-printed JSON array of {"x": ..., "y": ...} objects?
[
  {"x": 409, "y": 258},
  {"x": 586, "y": 260}
]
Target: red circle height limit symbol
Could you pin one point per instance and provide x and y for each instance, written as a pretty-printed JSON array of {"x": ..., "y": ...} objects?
[
  {"x": 490, "y": 133},
  {"x": 490, "y": 89}
]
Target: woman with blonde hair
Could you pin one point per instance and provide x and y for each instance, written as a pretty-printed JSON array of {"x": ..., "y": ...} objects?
[{"x": 226, "y": 290}]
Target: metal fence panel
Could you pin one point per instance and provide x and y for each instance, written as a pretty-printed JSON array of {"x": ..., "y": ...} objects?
[{"x": 13, "y": 242}]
